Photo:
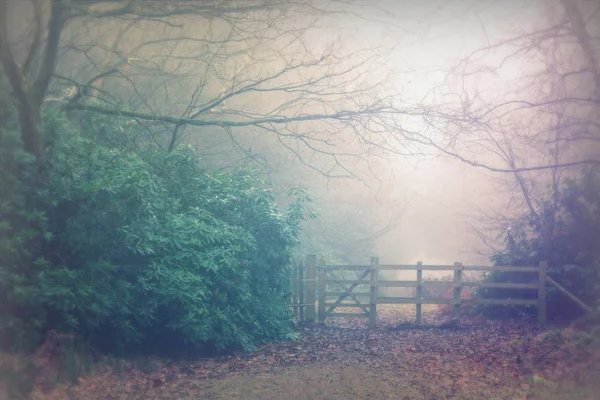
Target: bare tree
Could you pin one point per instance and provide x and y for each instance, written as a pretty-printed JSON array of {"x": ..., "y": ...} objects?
[
  {"x": 535, "y": 129},
  {"x": 198, "y": 70},
  {"x": 517, "y": 125}
]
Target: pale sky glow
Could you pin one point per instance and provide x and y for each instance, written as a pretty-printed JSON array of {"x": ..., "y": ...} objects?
[{"x": 430, "y": 37}]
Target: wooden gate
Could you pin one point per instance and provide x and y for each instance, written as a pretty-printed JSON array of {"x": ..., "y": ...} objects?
[
  {"x": 356, "y": 286},
  {"x": 346, "y": 292}
]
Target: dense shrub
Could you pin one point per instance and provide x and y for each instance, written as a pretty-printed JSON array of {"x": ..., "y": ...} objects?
[
  {"x": 129, "y": 248},
  {"x": 571, "y": 247},
  {"x": 21, "y": 228}
]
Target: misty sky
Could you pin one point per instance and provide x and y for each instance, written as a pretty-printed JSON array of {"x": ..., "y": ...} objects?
[
  {"x": 423, "y": 41},
  {"x": 430, "y": 37}
]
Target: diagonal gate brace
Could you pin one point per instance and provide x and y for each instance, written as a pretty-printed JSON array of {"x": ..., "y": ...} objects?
[{"x": 348, "y": 292}]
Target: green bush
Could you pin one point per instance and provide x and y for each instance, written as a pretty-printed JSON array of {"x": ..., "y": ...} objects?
[
  {"x": 144, "y": 250},
  {"x": 22, "y": 226}
]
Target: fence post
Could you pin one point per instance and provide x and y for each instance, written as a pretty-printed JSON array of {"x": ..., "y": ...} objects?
[
  {"x": 457, "y": 289},
  {"x": 295, "y": 287},
  {"x": 373, "y": 293},
  {"x": 301, "y": 276},
  {"x": 311, "y": 275},
  {"x": 322, "y": 290},
  {"x": 541, "y": 307},
  {"x": 419, "y": 294}
]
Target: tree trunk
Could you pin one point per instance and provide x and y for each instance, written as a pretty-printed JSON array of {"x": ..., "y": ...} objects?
[
  {"x": 29, "y": 98},
  {"x": 578, "y": 28}
]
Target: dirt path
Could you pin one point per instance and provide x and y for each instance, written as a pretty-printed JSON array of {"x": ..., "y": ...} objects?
[
  {"x": 359, "y": 382},
  {"x": 344, "y": 360}
]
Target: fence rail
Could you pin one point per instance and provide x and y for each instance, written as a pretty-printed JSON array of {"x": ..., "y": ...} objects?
[
  {"x": 305, "y": 282},
  {"x": 417, "y": 267}
]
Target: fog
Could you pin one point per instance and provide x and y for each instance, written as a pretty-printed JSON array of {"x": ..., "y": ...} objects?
[
  {"x": 417, "y": 203},
  {"x": 429, "y": 200},
  {"x": 434, "y": 196},
  {"x": 187, "y": 187}
]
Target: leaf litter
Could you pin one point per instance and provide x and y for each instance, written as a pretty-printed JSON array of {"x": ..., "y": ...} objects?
[{"x": 342, "y": 358}]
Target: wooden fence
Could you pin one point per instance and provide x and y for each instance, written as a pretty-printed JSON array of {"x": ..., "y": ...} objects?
[
  {"x": 304, "y": 302},
  {"x": 304, "y": 297}
]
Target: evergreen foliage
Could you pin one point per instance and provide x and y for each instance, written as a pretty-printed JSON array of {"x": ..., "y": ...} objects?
[{"x": 124, "y": 247}]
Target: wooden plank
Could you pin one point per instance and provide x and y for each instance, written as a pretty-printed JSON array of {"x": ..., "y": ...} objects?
[
  {"x": 412, "y": 300},
  {"x": 295, "y": 297},
  {"x": 355, "y": 298},
  {"x": 433, "y": 268},
  {"x": 397, "y": 283},
  {"x": 345, "y": 267},
  {"x": 419, "y": 294},
  {"x": 416, "y": 284},
  {"x": 442, "y": 284},
  {"x": 301, "y": 273},
  {"x": 322, "y": 290},
  {"x": 457, "y": 289},
  {"x": 342, "y": 314},
  {"x": 373, "y": 297},
  {"x": 345, "y": 305},
  {"x": 506, "y": 302},
  {"x": 416, "y": 267},
  {"x": 541, "y": 303},
  {"x": 333, "y": 294},
  {"x": 311, "y": 287},
  {"x": 569, "y": 295},
  {"x": 347, "y": 282},
  {"x": 506, "y": 285},
  {"x": 346, "y": 293},
  {"x": 500, "y": 269}
]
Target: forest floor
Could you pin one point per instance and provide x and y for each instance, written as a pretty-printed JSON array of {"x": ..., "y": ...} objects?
[{"x": 342, "y": 359}]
